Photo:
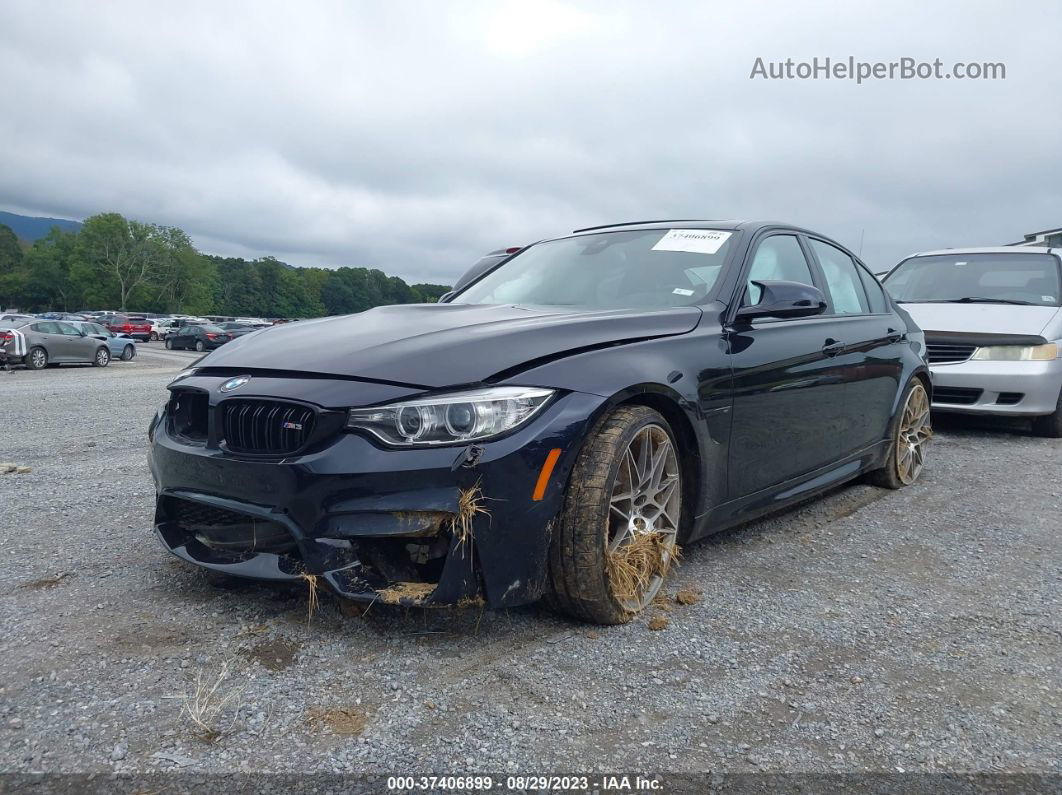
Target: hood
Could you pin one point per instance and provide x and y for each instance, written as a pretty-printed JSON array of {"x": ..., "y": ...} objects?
[
  {"x": 982, "y": 318},
  {"x": 439, "y": 345}
]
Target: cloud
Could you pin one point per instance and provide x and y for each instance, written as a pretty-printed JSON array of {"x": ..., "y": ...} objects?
[{"x": 414, "y": 136}]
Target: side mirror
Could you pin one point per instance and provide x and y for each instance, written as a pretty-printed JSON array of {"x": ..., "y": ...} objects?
[{"x": 785, "y": 300}]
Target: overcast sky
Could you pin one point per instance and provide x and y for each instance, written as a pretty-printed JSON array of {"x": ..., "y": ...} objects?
[{"x": 414, "y": 136}]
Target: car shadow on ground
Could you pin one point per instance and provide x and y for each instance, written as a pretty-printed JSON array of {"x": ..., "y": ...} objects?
[{"x": 972, "y": 424}]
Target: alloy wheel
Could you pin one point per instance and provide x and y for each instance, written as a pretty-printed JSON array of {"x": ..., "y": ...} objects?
[
  {"x": 39, "y": 357},
  {"x": 646, "y": 501},
  {"x": 913, "y": 436}
]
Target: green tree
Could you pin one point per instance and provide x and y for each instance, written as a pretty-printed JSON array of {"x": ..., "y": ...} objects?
[
  {"x": 12, "y": 277},
  {"x": 49, "y": 283},
  {"x": 429, "y": 293},
  {"x": 124, "y": 254}
]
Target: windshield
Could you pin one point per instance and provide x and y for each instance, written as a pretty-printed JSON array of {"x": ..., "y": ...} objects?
[
  {"x": 1005, "y": 278},
  {"x": 638, "y": 268}
]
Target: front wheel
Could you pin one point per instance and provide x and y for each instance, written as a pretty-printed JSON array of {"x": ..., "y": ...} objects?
[
  {"x": 1051, "y": 424},
  {"x": 199, "y": 346},
  {"x": 617, "y": 535},
  {"x": 103, "y": 358},
  {"x": 128, "y": 353},
  {"x": 911, "y": 431}
]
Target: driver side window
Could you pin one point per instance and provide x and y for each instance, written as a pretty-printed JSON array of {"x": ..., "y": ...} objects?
[{"x": 777, "y": 258}]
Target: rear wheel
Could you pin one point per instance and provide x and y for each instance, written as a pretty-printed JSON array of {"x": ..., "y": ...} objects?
[
  {"x": 199, "y": 346},
  {"x": 154, "y": 336},
  {"x": 911, "y": 432},
  {"x": 103, "y": 357},
  {"x": 1051, "y": 424},
  {"x": 128, "y": 353},
  {"x": 616, "y": 537},
  {"x": 169, "y": 344},
  {"x": 37, "y": 358}
]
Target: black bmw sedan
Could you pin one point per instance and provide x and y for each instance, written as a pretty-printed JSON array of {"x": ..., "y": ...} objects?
[{"x": 555, "y": 429}]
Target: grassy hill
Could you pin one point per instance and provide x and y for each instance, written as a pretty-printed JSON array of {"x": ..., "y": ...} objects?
[{"x": 30, "y": 228}]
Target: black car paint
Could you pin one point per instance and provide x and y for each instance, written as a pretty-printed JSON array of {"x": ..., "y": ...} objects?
[
  {"x": 188, "y": 335},
  {"x": 767, "y": 412}
]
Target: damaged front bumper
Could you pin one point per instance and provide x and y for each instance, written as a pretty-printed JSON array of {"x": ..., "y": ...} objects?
[{"x": 435, "y": 526}]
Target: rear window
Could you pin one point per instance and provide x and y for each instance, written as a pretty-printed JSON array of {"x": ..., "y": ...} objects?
[
  {"x": 1004, "y": 277},
  {"x": 211, "y": 329}
]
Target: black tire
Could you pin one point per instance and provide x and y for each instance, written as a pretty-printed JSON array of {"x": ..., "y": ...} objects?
[
  {"x": 36, "y": 358},
  {"x": 199, "y": 346},
  {"x": 892, "y": 474},
  {"x": 154, "y": 336},
  {"x": 102, "y": 357},
  {"x": 128, "y": 353},
  {"x": 580, "y": 584},
  {"x": 1050, "y": 425},
  {"x": 169, "y": 344}
]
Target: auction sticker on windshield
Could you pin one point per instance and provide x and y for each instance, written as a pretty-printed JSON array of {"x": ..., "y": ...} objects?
[{"x": 696, "y": 241}]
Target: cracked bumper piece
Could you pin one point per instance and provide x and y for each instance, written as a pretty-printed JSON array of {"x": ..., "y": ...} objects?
[{"x": 375, "y": 524}]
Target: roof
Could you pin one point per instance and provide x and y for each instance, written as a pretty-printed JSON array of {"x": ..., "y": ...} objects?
[
  {"x": 991, "y": 250},
  {"x": 690, "y": 223}
]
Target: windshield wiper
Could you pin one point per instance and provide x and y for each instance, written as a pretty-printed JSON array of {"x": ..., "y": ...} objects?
[
  {"x": 971, "y": 299},
  {"x": 978, "y": 300}
]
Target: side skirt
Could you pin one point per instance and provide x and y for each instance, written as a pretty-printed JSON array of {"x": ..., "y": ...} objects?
[{"x": 790, "y": 492}]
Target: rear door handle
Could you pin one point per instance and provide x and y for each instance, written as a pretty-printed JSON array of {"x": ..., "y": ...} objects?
[{"x": 833, "y": 347}]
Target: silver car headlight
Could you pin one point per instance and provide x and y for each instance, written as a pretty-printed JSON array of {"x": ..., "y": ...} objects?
[
  {"x": 451, "y": 419},
  {"x": 1016, "y": 353}
]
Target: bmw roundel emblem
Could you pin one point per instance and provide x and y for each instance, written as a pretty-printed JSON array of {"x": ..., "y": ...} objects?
[{"x": 235, "y": 383}]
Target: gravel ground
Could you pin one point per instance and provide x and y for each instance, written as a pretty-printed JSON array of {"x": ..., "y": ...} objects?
[{"x": 871, "y": 630}]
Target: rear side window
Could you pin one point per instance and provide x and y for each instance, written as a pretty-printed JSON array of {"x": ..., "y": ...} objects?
[
  {"x": 777, "y": 258},
  {"x": 842, "y": 279},
  {"x": 46, "y": 328},
  {"x": 875, "y": 292}
]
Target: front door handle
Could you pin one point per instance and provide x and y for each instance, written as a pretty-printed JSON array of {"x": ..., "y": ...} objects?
[
  {"x": 892, "y": 335},
  {"x": 833, "y": 347}
]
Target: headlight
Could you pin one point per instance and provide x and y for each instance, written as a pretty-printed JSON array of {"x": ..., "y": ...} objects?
[
  {"x": 183, "y": 374},
  {"x": 451, "y": 419},
  {"x": 1016, "y": 353}
]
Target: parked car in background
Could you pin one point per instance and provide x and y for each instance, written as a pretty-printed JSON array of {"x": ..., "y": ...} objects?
[
  {"x": 555, "y": 430},
  {"x": 40, "y": 343},
  {"x": 481, "y": 266},
  {"x": 62, "y": 316},
  {"x": 136, "y": 326},
  {"x": 121, "y": 346},
  {"x": 158, "y": 327},
  {"x": 197, "y": 337},
  {"x": 178, "y": 323},
  {"x": 16, "y": 318},
  {"x": 993, "y": 324},
  {"x": 237, "y": 329}
]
